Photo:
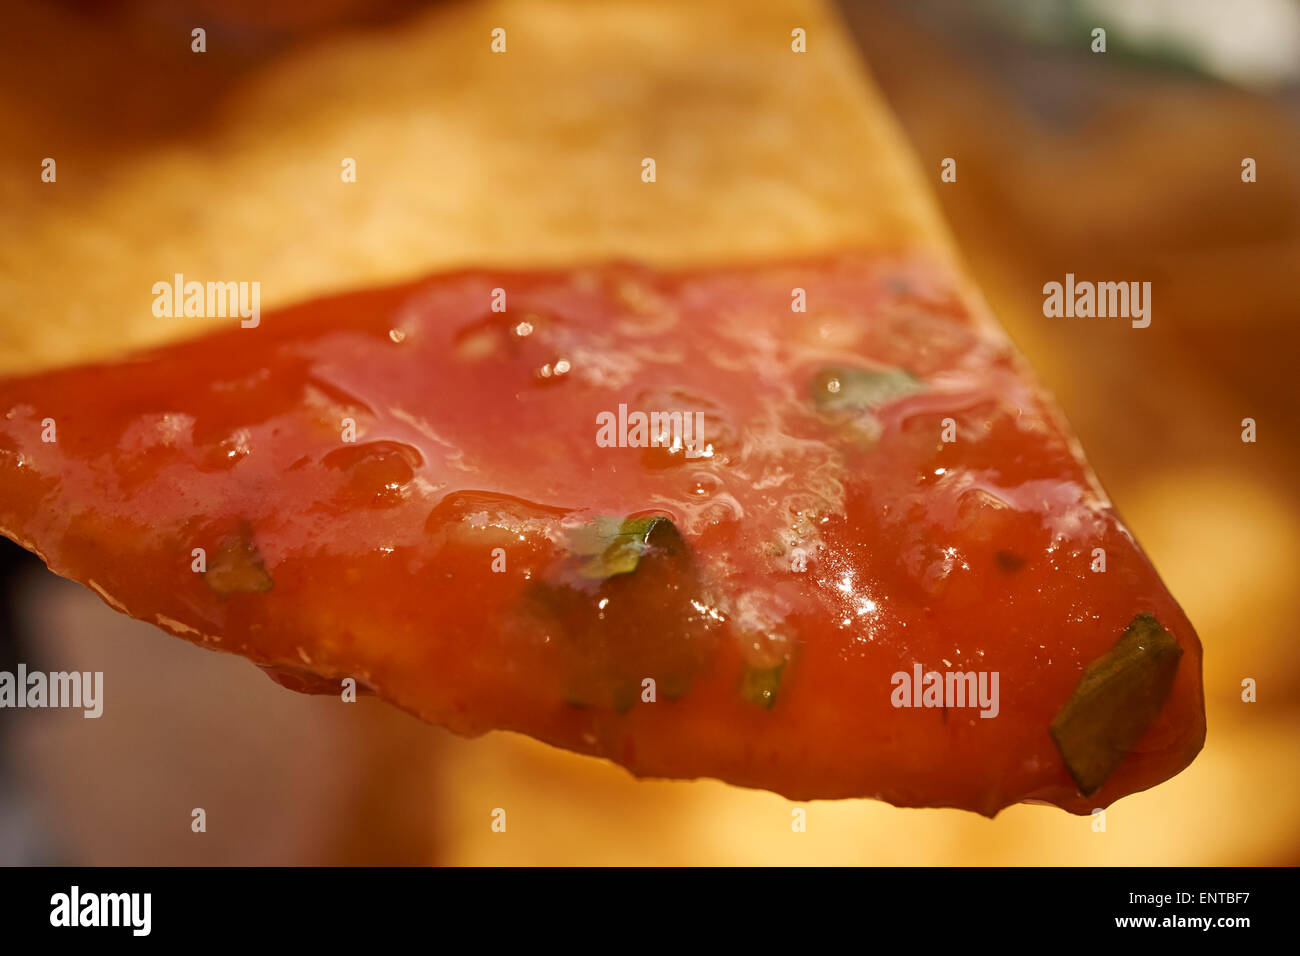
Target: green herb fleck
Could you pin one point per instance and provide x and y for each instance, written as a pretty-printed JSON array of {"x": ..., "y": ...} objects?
[
  {"x": 843, "y": 388},
  {"x": 759, "y": 685},
  {"x": 236, "y": 566}
]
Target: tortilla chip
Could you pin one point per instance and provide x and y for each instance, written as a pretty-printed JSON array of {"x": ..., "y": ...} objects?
[{"x": 463, "y": 157}]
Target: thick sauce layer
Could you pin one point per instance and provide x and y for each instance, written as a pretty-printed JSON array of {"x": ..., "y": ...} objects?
[{"x": 447, "y": 503}]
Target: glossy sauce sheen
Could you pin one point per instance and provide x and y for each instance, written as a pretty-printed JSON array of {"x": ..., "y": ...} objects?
[{"x": 476, "y": 430}]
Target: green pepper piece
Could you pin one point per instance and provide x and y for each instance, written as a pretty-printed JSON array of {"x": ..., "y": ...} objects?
[
  {"x": 619, "y": 600},
  {"x": 1116, "y": 699},
  {"x": 613, "y": 546}
]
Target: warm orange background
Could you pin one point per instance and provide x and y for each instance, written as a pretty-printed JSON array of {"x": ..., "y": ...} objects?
[{"x": 1068, "y": 163}]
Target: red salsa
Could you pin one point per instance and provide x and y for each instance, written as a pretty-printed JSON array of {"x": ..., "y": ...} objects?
[{"x": 666, "y": 518}]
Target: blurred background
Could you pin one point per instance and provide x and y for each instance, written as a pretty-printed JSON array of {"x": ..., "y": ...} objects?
[{"x": 1122, "y": 166}]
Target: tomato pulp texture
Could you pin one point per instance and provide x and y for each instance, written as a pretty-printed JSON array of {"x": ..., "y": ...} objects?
[{"x": 408, "y": 488}]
